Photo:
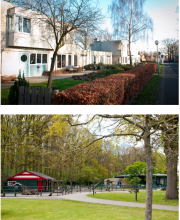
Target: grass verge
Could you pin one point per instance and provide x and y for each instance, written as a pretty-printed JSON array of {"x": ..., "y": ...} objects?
[
  {"x": 60, "y": 84},
  {"x": 37, "y": 209},
  {"x": 150, "y": 93},
  {"x": 158, "y": 197}
]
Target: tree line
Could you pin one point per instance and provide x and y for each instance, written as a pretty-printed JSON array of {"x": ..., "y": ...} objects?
[
  {"x": 72, "y": 148},
  {"x": 48, "y": 144}
]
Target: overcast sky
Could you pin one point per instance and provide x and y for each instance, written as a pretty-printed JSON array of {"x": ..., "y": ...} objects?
[{"x": 164, "y": 17}]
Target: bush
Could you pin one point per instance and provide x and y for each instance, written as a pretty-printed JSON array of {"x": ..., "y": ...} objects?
[
  {"x": 116, "y": 89},
  {"x": 13, "y": 92}
]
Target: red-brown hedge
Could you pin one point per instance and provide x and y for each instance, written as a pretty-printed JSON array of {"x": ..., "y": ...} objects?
[{"x": 117, "y": 89}]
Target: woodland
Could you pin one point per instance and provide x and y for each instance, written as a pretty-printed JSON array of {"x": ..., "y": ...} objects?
[{"x": 79, "y": 147}]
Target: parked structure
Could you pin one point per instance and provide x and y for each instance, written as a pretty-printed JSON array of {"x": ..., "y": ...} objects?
[
  {"x": 119, "y": 49},
  {"x": 32, "y": 180},
  {"x": 27, "y": 45},
  {"x": 159, "y": 180}
]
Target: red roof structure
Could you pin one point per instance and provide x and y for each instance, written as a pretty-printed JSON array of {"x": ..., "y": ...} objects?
[{"x": 30, "y": 175}]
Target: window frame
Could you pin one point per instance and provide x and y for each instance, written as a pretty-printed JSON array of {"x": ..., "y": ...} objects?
[
  {"x": 61, "y": 61},
  {"x": 76, "y": 60},
  {"x": 19, "y": 26},
  {"x": 36, "y": 59}
]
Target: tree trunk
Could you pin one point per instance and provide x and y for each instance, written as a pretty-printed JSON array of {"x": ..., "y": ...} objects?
[
  {"x": 149, "y": 170},
  {"x": 171, "y": 152},
  {"x": 52, "y": 68}
]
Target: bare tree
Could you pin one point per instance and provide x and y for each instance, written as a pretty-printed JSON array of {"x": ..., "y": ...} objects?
[
  {"x": 105, "y": 35},
  {"x": 63, "y": 17},
  {"x": 85, "y": 36},
  {"x": 129, "y": 21},
  {"x": 172, "y": 47}
]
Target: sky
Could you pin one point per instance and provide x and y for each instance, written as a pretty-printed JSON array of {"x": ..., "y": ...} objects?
[{"x": 164, "y": 17}]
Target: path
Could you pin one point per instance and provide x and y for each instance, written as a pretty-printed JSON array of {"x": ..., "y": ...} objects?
[
  {"x": 83, "y": 198},
  {"x": 169, "y": 91},
  {"x": 40, "y": 79}
]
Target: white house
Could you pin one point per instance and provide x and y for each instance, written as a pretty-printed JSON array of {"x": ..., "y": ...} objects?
[
  {"x": 119, "y": 49},
  {"x": 27, "y": 45}
]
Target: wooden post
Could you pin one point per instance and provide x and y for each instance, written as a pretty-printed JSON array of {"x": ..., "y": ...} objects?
[
  {"x": 21, "y": 95},
  {"x": 34, "y": 96},
  {"x": 27, "y": 95},
  {"x": 48, "y": 96},
  {"x": 40, "y": 96}
]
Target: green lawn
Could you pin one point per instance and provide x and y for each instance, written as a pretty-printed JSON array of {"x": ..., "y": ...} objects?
[
  {"x": 150, "y": 92},
  {"x": 60, "y": 84},
  {"x": 158, "y": 197},
  {"x": 37, "y": 209},
  {"x": 161, "y": 66}
]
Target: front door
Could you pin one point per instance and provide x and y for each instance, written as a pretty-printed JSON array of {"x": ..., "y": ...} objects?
[
  {"x": 24, "y": 64},
  {"x": 40, "y": 185}
]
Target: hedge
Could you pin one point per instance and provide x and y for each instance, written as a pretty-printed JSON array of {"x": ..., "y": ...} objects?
[{"x": 116, "y": 89}]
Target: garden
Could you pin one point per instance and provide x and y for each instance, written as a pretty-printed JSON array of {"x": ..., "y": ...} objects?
[{"x": 112, "y": 84}]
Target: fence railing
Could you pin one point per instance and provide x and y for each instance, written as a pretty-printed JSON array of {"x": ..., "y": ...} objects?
[
  {"x": 35, "y": 96},
  {"x": 62, "y": 190}
]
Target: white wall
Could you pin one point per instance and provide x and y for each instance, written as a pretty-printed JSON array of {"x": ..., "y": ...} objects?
[
  {"x": 13, "y": 43},
  {"x": 119, "y": 53}
]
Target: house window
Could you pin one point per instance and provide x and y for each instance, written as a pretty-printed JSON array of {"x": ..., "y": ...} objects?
[
  {"x": 33, "y": 58},
  {"x": 69, "y": 60},
  {"x": 75, "y": 60},
  {"x": 119, "y": 46},
  {"x": 18, "y": 24},
  {"x": 22, "y": 24},
  {"x": 23, "y": 58},
  {"x": 101, "y": 59},
  {"x": 44, "y": 58},
  {"x": 11, "y": 183},
  {"x": 38, "y": 58},
  {"x": 26, "y": 25},
  {"x": 10, "y": 23},
  {"x": 125, "y": 59},
  {"x": 61, "y": 61}
]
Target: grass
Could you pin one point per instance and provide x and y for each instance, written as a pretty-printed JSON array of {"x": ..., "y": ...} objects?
[
  {"x": 60, "y": 84},
  {"x": 158, "y": 197},
  {"x": 37, "y": 209},
  {"x": 150, "y": 93},
  {"x": 161, "y": 66}
]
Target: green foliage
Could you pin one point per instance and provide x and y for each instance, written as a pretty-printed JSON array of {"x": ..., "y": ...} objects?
[
  {"x": 133, "y": 180},
  {"x": 138, "y": 168},
  {"x": 99, "y": 66},
  {"x": 60, "y": 84},
  {"x": 159, "y": 162},
  {"x": 13, "y": 92}
]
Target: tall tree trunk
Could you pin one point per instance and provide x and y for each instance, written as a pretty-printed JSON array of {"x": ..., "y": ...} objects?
[
  {"x": 171, "y": 151},
  {"x": 149, "y": 170}
]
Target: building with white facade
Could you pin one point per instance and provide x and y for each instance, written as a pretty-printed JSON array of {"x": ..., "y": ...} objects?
[
  {"x": 27, "y": 45},
  {"x": 119, "y": 49}
]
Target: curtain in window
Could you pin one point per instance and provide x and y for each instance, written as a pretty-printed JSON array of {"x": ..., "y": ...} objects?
[
  {"x": 18, "y": 24},
  {"x": 26, "y": 25}
]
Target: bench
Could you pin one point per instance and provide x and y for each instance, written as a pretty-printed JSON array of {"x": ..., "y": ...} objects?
[{"x": 71, "y": 68}]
